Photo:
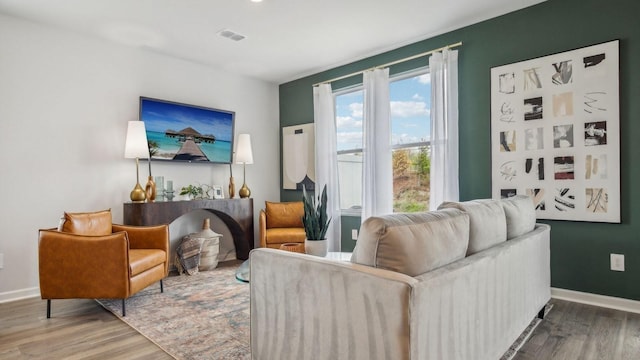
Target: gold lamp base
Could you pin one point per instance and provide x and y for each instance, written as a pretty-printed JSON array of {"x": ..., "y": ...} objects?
[
  {"x": 244, "y": 191},
  {"x": 138, "y": 194}
]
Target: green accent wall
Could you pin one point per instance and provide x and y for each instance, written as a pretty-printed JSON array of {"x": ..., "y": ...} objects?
[{"x": 579, "y": 250}]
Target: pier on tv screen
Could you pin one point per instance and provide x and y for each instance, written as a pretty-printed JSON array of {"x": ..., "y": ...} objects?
[{"x": 182, "y": 132}]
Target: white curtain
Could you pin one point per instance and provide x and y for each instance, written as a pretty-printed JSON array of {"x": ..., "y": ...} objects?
[
  {"x": 443, "y": 68},
  {"x": 377, "y": 172},
  {"x": 327, "y": 159}
]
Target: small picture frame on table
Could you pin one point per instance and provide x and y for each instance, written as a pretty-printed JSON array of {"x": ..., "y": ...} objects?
[{"x": 217, "y": 192}]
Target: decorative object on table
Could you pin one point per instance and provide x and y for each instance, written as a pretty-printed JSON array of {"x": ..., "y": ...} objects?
[
  {"x": 159, "y": 180},
  {"x": 232, "y": 185},
  {"x": 555, "y": 133},
  {"x": 293, "y": 247},
  {"x": 298, "y": 167},
  {"x": 135, "y": 148},
  {"x": 168, "y": 191},
  {"x": 316, "y": 222},
  {"x": 244, "y": 156},
  {"x": 193, "y": 191},
  {"x": 217, "y": 192},
  {"x": 150, "y": 188},
  {"x": 210, "y": 246}
]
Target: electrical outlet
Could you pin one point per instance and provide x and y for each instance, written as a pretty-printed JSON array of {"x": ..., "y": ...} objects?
[
  {"x": 617, "y": 262},
  {"x": 354, "y": 234},
  {"x": 1, "y": 261}
]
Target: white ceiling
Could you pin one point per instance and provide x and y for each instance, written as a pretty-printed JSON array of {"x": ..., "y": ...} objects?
[{"x": 285, "y": 39}]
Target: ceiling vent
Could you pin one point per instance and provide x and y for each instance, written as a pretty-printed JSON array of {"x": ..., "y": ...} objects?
[{"x": 231, "y": 35}]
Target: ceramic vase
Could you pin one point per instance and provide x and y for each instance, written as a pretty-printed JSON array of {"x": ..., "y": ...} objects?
[{"x": 316, "y": 247}]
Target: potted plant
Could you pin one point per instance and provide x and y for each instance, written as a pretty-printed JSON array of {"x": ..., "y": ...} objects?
[
  {"x": 316, "y": 222},
  {"x": 193, "y": 191}
]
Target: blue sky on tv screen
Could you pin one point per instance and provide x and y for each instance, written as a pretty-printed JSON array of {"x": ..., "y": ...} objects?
[{"x": 162, "y": 116}]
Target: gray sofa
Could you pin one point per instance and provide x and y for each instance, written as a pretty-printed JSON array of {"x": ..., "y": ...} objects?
[{"x": 462, "y": 282}]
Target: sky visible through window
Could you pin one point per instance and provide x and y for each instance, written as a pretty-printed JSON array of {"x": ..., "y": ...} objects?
[{"x": 410, "y": 104}]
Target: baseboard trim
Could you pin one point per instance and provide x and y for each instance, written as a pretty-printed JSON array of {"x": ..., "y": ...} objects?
[
  {"x": 597, "y": 300},
  {"x": 21, "y": 294}
]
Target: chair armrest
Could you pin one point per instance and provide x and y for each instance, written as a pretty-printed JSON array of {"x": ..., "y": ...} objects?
[
  {"x": 263, "y": 228},
  {"x": 79, "y": 266},
  {"x": 146, "y": 237}
]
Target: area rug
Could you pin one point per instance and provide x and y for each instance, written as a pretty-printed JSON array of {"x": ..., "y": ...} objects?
[
  {"x": 202, "y": 316},
  {"x": 206, "y": 316}
]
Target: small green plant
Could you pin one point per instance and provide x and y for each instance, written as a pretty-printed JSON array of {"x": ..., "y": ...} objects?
[
  {"x": 195, "y": 192},
  {"x": 315, "y": 220}
]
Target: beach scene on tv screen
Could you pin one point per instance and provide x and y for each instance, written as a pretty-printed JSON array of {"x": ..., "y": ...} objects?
[{"x": 187, "y": 133}]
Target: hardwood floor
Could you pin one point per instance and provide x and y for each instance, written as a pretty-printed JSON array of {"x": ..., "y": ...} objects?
[
  {"x": 78, "y": 329},
  {"x": 81, "y": 329},
  {"x": 578, "y": 331}
]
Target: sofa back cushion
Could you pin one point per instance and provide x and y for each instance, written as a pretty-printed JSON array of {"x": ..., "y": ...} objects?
[
  {"x": 520, "y": 214},
  {"x": 88, "y": 223},
  {"x": 284, "y": 214},
  {"x": 487, "y": 223},
  {"x": 413, "y": 243}
]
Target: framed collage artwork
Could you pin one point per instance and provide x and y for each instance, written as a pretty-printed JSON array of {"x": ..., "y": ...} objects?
[{"x": 555, "y": 133}]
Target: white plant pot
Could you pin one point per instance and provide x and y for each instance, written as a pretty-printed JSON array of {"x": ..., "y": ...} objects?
[{"x": 316, "y": 247}]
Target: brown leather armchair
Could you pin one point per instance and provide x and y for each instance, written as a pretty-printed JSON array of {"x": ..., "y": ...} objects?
[
  {"x": 88, "y": 257},
  {"x": 281, "y": 223}
]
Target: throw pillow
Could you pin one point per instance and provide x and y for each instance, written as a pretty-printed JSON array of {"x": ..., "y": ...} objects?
[
  {"x": 88, "y": 223},
  {"x": 188, "y": 255},
  {"x": 487, "y": 223},
  {"x": 520, "y": 213},
  {"x": 413, "y": 243}
]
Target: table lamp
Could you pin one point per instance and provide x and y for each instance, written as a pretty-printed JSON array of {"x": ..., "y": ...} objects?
[
  {"x": 244, "y": 156},
  {"x": 136, "y": 147}
]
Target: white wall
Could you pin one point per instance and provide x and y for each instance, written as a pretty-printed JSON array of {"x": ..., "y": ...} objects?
[{"x": 65, "y": 100}]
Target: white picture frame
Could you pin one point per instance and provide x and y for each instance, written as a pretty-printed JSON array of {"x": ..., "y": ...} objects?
[
  {"x": 555, "y": 133},
  {"x": 217, "y": 192}
]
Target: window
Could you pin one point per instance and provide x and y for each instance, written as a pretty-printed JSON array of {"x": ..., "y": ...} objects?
[{"x": 410, "y": 97}]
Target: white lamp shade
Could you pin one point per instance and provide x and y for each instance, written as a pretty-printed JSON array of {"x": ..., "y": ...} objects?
[
  {"x": 244, "y": 155},
  {"x": 136, "y": 145}
]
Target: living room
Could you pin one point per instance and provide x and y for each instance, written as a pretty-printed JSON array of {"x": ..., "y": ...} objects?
[{"x": 66, "y": 100}]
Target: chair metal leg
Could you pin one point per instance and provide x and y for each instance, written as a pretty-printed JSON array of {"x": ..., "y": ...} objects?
[
  {"x": 124, "y": 310},
  {"x": 161, "y": 287},
  {"x": 48, "y": 308}
]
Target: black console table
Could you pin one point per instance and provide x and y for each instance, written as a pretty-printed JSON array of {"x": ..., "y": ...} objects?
[{"x": 237, "y": 214}]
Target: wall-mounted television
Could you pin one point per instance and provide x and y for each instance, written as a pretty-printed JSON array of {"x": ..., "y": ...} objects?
[{"x": 182, "y": 132}]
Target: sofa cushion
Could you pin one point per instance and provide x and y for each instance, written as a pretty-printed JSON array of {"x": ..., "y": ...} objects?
[
  {"x": 88, "y": 223},
  {"x": 520, "y": 214},
  {"x": 284, "y": 214},
  {"x": 487, "y": 223},
  {"x": 413, "y": 243}
]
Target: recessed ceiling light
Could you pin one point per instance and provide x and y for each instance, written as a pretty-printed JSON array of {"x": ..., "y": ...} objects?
[{"x": 256, "y": 0}]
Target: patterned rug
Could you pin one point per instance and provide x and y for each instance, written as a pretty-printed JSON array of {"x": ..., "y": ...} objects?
[
  {"x": 206, "y": 315},
  {"x": 202, "y": 316}
]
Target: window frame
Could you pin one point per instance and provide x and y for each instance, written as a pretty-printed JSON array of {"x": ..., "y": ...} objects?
[{"x": 360, "y": 87}]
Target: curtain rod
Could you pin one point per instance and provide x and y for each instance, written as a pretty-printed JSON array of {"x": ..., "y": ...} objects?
[{"x": 450, "y": 46}]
